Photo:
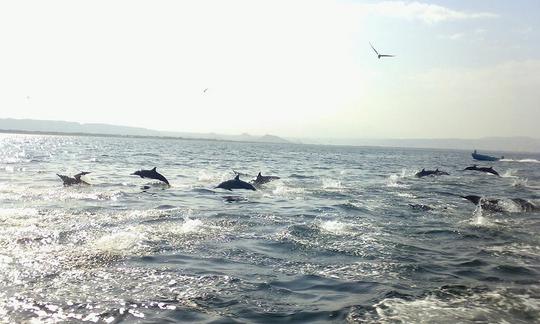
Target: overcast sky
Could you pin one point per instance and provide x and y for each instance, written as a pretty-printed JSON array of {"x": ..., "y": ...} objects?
[{"x": 291, "y": 68}]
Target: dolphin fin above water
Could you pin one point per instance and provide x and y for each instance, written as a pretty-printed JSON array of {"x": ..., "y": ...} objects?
[
  {"x": 235, "y": 183},
  {"x": 260, "y": 180}
]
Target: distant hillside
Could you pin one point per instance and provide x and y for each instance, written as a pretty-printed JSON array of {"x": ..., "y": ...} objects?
[
  {"x": 487, "y": 144},
  {"x": 31, "y": 125}
]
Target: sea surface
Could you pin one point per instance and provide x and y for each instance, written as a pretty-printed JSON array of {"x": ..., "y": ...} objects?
[{"x": 334, "y": 240}]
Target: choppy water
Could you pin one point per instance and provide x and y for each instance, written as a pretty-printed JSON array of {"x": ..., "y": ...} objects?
[{"x": 334, "y": 240}]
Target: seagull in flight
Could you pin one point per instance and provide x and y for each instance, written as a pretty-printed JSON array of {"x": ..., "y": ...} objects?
[{"x": 380, "y": 55}]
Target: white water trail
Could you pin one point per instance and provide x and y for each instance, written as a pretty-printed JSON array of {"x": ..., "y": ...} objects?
[
  {"x": 521, "y": 161},
  {"x": 510, "y": 173}
]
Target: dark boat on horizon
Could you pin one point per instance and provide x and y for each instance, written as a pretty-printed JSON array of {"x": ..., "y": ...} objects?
[{"x": 482, "y": 157}]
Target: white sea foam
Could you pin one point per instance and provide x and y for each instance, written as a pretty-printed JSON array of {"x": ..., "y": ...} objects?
[
  {"x": 206, "y": 176},
  {"x": 282, "y": 189},
  {"x": 335, "y": 227},
  {"x": 479, "y": 218},
  {"x": 191, "y": 225},
  {"x": 489, "y": 306},
  {"x": 521, "y": 161},
  {"x": 406, "y": 195},
  {"x": 118, "y": 243},
  {"x": 510, "y": 173},
  {"x": 520, "y": 182},
  {"x": 405, "y": 173},
  {"x": 331, "y": 184},
  {"x": 393, "y": 181},
  {"x": 18, "y": 212}
]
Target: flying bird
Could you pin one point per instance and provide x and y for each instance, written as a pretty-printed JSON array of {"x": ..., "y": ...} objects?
[{"x": 380, "y": 55}]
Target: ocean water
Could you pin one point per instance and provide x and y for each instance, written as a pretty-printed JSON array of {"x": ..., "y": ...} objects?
[{"x": 334, "y": 240}]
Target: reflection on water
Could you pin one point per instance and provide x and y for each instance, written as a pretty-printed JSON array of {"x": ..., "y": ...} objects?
[{"x": 335, "y": 239}]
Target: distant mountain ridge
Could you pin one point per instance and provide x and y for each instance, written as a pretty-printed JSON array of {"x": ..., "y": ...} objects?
[
  {"x": 485, "y": 145},
  {"x": 57, "y": 126}
]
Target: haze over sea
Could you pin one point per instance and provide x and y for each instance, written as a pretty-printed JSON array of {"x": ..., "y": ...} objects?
[{"x": 333, "y": 240}]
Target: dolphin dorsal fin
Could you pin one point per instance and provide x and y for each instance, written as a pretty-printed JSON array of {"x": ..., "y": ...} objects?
[
  {"x": 259, "y": 175},
  {"x": 237, "y": 177},
  {"x": 154, "y": 169}
]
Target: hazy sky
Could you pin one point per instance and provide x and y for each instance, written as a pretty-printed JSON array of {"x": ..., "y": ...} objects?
[{"x": 290, "y": 68}]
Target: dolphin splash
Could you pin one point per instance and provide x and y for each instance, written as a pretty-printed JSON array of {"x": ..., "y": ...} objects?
[
  {"x": 76, "y": 179},
  {"x": 494, "y": 204}
]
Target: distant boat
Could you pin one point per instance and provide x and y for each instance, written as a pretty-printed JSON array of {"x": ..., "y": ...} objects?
[{"x": 482, "y": 157}]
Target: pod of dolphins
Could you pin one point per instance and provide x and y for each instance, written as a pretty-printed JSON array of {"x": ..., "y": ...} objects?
[
  {"x": 235, "y": 183},
  {"x": 490, "y": 204}
]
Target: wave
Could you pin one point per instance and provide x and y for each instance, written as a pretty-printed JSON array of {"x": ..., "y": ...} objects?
[
  {"x": 301, "y": 176},
  {"x": 453, "y": 304}
]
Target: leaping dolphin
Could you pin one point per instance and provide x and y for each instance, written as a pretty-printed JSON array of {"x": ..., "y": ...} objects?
[
  {"x": 76, "y": 179},
  {"x": 425, "y": 173},
  {"x": 380, "y": 55},
  {"x": 236, "y": 183},
  {"x": 260, "y": 180},
  {"x": 493, "y": 204},
  {"x": 151, "y": 174},
  {"x": 482, "y": 169}
]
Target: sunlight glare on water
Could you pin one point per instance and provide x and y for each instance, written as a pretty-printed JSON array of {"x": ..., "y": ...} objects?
[{"x": 346, "y": 234}]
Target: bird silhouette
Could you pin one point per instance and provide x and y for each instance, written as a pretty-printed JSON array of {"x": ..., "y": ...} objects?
[{"x": 380, "y": 55}]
